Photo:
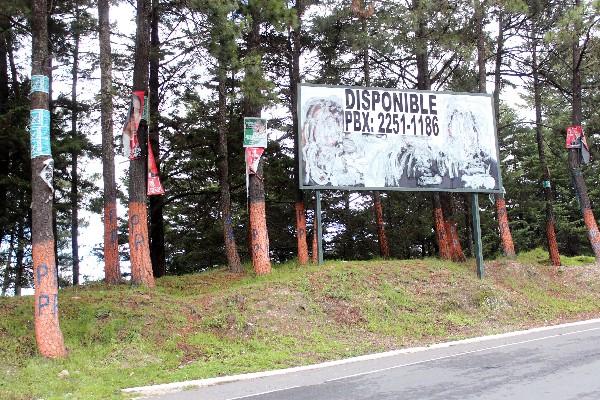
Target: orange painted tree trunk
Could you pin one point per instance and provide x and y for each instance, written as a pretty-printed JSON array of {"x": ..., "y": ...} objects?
[
  {"x": 259, "y": 236},
  {"x": 157, "y": 224},
  {"x": 294, "y": 75},
  {"x": 364, "y": 12},
  {"x": 47, "y": 330},
  {"x": 508, "y": 246},
  {"x": 233, "y": 258},
  {"x": 384, "y": 247},
  {"x": 574, "y": 162},
  {"x": 424, "y": 83},
  {"x": 141, "y": 264},
  {"x": 537, "y": 99},
  {"x": 440, "y": 229},
  {"x": 454, "y": 246},
  {"x": 112, "y": 269}
]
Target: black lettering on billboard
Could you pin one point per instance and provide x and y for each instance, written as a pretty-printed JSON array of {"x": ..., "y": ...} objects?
[
  {"x": 366, "y": 102},
  {"x": 347, "y": 120},
  {"x": 414, "y": 103},
  {"x": 432, "y": 104},
  {"x": 356, "y": 116},
  {"x": 349, "y": 98},
  {"x": 423, "y": 109},
  {"x": 375, "y": 98},
  {"x": 385, "y": 96}
]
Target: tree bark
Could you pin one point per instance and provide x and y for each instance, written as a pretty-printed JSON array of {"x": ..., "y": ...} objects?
[
  {"x": 441, "y": 233},
  {"x": 508, "y": 246},
  {"x": 47, "y": 330},
  {"x": 19, "y": 267},
  {"x": 112, "y": 269},
  {"x": 8, "y": 269},
  {"x": 424, "y": 83},
  {"x": 259, "y": 235},
  {"x": 233, "y": 258},
  {"x": 141, "y": 264},
  {"x": 537, "y": 98},
  {"x": 294, "y": 72},
  {"x": 574, "y": 162},
  {"x": 157, "y": 225},
  {"x": 74, "y": 195},
  {"x": 4, "y": 92}
]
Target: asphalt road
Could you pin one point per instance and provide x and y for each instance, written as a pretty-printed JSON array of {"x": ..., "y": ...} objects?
[{"x": 561, "y": 363}]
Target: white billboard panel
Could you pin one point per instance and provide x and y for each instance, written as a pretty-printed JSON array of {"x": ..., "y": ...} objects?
[{"x": 384, "y": 139}]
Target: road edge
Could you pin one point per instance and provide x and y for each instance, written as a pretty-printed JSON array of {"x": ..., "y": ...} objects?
[{"x": 165, "y": 388}]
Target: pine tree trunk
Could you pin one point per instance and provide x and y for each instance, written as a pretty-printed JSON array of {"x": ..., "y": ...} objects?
[
  {"x": 74, "y": 195},
  {"x": 19, "y": 267},
  {"x": 4, "y": 91},
  {"x": 440, "y": 228},
  {"x": 537, "y": 98},
  {"x": 259, "y": 235},
  {"x": 508, "y": 246},
  {"x": 11, "y": 60},
  {"x": 454, "y": 246},
  {"x": 112, "y": 269},
  {"x": 141, "y": 264},
  {"x": 384, "y": 248},
  {"x": 157, "y": 225},
  {"x": 424, "y": 83},
  {"x": 233, "y": 258},
  {"x": 47, "y": 330},
  {"x": 294, "y": 72},
  {"x": 348, "y": 236},
  {"x": 8, "y": 269},
  {"x": 574, "y": 163}
]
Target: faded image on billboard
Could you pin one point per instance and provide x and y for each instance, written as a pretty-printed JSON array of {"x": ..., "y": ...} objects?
[{"x": 367, "y": 138}]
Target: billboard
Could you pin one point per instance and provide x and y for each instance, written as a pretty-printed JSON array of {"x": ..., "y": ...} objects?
[{"x": 357, "y": 138}]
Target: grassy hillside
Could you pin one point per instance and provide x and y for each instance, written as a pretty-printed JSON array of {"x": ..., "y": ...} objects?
[{"x": 216, "y": 323}]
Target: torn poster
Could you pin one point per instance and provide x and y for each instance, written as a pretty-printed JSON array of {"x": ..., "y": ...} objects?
[
  {"x": 47, "y": 174},
  {"x": 154, "y": 186},
  {"x": 39, "y": 130},
  {"x": 131, "y": 143},
  {"x": 255, "y": 132},
  {"x": 576, "y": 140},
  {"x": 253, "y": 155}
]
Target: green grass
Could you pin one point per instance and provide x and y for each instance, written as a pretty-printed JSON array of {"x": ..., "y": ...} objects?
[
  {"x": 540, "y": 256},
  {"x": 216, "y": 323}
]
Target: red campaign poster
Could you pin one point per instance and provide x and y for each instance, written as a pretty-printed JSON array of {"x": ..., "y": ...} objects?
[
  {"x": 253, "y": 155},
  {"x": 131, "y": 143},
  {"x": 154, "y": 186},
  {"x": 574, "y": 135}
]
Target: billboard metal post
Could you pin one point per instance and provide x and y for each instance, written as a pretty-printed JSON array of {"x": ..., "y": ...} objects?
[
  {"x": 319, "y": 224},
  {"x": 477, "y": 235}
]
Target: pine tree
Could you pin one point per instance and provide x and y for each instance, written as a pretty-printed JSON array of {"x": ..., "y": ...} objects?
[
  {"x": 47, "y": 330},
  {"x": 141, "y": 265},
  {"x": 112, "y": 271}
]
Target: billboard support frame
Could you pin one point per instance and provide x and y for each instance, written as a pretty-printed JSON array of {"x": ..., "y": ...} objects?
[
  {"x": 319, "y": 226},
  {"x": 477, "y": 235}
]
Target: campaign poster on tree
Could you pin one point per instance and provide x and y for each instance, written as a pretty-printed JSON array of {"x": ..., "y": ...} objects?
[
  {"x": 358, "y": 138},
  {"x": 255, "y": 132}
]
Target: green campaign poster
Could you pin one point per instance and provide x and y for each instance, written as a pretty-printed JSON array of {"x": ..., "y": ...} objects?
[{"x": 255, "y": 132}]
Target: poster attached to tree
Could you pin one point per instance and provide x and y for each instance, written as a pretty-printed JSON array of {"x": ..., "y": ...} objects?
[
  {"x": 255, "y": 132},
  {"x": 385, "y": 139}
]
